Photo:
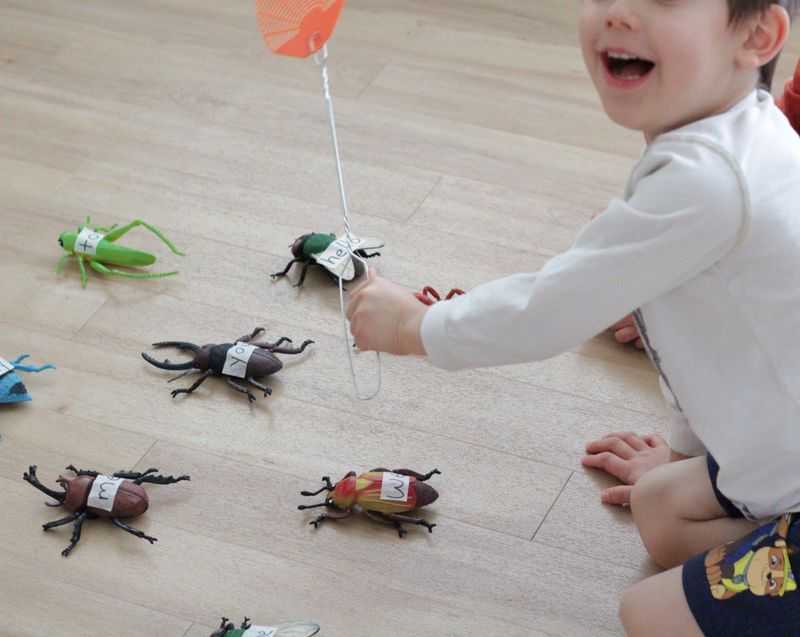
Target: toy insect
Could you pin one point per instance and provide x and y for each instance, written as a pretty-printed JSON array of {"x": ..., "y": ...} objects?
[
  {"x": 97, "y": 246},
  {"x": 291, "y": 629},
  {"x": 90, "y": 495},
  {"x": 237, "y": 361},
  {"x": 383, "y": 495},
  {"x": 12, "y": 389},
  {"x": 331, "y": 254},
  {"x": 429, "y": 295}
]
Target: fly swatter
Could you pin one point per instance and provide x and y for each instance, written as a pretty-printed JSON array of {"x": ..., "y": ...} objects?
[{"x": 301, "y": 28}]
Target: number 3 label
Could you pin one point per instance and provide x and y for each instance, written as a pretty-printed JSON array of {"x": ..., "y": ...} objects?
[
  {"x": 104, "y": 492},
  {"x": 394, "y": 487},
  {"x": 237, "y": 358}
]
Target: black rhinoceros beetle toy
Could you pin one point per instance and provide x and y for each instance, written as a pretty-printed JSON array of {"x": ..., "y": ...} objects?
[
  {"x": 90, "y": 495},
  {"x": 239, "y": 361},
  {"x": 291, "y": 629}
]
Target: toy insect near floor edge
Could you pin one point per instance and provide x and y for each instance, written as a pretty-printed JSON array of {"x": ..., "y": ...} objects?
[
  {"x": 383, "y": 495},
  {"x": 321, "y": 249},
  {"x": 429, "y": 295},
  {"x": 12, "y": 389},
  {"x": 91, "y": 494},
  {"x": 97, "y": 246},
  {"x": 242, "y": 360},
  {"x": 289, "y": 629}
]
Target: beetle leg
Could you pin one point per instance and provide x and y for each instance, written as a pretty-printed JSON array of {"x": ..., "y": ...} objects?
[
  {"x": 249, "y": 337},
  {"x": 241, "y": 389},
  {"x": 328, "y": 487},
  {"x": 267, "y": 390},
  {"x": 103, "y": 269},
  {"x": 30, "y": 477},
  {"x": 196, "y": 384},
  {"x": 84, "y": 276},
  {"x": 61, "y": 522},
  {"x": 278, "y": 275},
  {"x": 303, "y": 273},
  {"x": 118, "y": 523},
  {"x": 407, "y": 519},
  {"x": 271, "y": 346},
  {"x": 332, "y": 514},
  {"x": 292, "y": 350},
  {"x": 76, "y": 534},
  {"x": 162, "y": 479},
  {"x": 118, "y": 232},
  {"x": 408, "y": 472},
  {"x": 378, "y": 517},
  {"x": 245, "y": 624},
  {"x": 82, "y": 472}
]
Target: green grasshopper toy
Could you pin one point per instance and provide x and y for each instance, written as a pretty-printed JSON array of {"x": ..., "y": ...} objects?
[{"x": 96, "y": 246}]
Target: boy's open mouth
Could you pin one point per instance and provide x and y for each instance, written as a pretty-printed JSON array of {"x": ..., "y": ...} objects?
[{"x": 626, "y": 66}]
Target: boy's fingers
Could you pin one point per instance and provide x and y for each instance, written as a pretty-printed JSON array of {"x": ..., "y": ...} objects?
[
  {"x": 608, "y": 462},
  {"x": 620, "y": 495},
  {"x": 626, "y": 334},
  {"x": 371, "y": 275},
  {"x": 634, "y": 441},
  {"x": 628, "y": 321},
  {"x": 617, "y": 446},
  {"x": 654, "y": 440}
]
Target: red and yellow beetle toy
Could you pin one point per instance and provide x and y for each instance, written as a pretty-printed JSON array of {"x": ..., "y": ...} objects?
[{"x": 383, "y": 495}]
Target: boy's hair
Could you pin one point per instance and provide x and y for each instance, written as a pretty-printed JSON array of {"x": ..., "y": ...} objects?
[{"x": 741, "y": 9}]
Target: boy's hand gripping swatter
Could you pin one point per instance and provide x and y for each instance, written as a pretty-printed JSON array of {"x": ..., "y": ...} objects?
[{"x": 300, "y": 28}]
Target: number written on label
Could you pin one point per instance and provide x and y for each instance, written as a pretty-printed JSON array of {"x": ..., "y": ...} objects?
[
  {"x": 394, "y": 487},
  {"x": 87, "y": 241},
  {"x": 104, "y": 492},
  {"x": 5, "y": 367},
  {"x": 237, "y": 358}
]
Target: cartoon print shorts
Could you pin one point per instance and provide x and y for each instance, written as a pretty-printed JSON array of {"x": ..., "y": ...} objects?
[{"x": 749, "y": 587}]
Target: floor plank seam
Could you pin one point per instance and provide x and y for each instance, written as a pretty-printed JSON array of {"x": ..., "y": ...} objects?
[{"x": 552, "y": 504}]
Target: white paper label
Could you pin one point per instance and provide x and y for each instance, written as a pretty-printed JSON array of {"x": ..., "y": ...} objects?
[
  {"x": 5, "y": 367},
  {"x": 336, "y": 256},
  {"x": 87, "y": 241},
  {"x": 394, "y": 487},
  {"x": 236, "y": 360},
  {"x": 259, "y": 631},
  {"x": 104, "y": 492}
]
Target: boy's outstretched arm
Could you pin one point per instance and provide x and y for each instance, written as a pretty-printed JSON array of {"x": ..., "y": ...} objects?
[{"x": 627, "y": 456}]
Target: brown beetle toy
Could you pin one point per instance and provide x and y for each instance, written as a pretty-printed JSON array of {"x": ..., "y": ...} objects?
[
  {"x": 239, "y": 361},
  {"x": 90, "y": 495}
]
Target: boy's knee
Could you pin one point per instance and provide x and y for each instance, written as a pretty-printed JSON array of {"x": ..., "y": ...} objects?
[
  {"x": 654, "y": 511},
  {"x": 632, "y": 612}
]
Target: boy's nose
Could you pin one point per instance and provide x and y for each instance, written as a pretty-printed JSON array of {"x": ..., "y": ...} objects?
[{"x": 621, "y": 17}]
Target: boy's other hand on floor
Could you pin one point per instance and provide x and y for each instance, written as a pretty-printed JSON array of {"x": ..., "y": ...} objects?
[{"x": 626, "y": 456}]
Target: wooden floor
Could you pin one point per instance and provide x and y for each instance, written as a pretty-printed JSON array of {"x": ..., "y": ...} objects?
[{"x": 474, "y": 145}]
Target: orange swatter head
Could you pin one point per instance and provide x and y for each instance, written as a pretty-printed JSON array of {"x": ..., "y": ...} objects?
[{"x": 297, "y": 27}]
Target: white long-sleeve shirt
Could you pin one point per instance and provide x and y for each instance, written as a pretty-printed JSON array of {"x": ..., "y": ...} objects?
[{"x": 705, "y": 247}]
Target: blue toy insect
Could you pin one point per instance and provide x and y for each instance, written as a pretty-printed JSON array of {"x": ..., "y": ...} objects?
[{"x": 12, "y": 389}]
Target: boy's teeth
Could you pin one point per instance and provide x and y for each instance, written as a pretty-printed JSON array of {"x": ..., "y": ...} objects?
[{"x": 622, "y": 56}]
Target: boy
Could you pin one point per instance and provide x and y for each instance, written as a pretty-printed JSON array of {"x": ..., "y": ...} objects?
[{"x": 704, "y": 248}]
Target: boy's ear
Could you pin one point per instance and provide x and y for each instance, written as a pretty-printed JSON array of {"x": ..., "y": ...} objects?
[{"x": 764, "y": 37}]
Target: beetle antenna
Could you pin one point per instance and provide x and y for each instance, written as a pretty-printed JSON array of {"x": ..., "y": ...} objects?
[
  {"x": 179, "y": 376},
  {"x": 303, "y": 507}
]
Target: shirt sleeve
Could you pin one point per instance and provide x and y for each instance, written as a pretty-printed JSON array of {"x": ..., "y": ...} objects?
[{"x": 686, "y": 209}]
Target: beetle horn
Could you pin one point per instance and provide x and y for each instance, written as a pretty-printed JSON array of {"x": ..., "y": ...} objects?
[
  {"x": 166, "y": 364},
  {"x": 178, "y": 344}
]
